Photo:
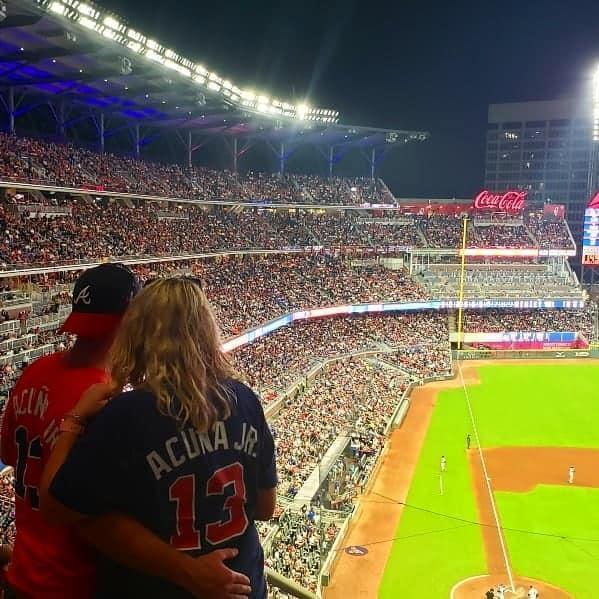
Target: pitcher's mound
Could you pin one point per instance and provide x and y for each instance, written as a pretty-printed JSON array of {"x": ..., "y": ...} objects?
[{"x": 477, "y": 586}]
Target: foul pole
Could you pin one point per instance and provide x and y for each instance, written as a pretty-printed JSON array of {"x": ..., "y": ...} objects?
[{"x": 462, "y": 272}]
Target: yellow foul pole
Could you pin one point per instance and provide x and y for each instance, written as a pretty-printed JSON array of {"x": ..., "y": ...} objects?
[{"x": 462, "y": 271}]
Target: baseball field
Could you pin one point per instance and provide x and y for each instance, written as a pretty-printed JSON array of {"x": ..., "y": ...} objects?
[{"x": 528, "y": 423}]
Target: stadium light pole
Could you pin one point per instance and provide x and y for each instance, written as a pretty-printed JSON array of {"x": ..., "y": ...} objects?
[
  {"x": 462, "y": 271},
  {"x": 594, "y": 153},
  {"x": 592, "y": 183}
]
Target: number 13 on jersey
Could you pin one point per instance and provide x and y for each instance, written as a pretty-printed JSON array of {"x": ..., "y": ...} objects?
[{"x": 183, "y": 493}]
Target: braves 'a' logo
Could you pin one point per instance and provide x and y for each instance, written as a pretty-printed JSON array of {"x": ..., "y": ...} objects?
[{"x": 84, "y": 296}]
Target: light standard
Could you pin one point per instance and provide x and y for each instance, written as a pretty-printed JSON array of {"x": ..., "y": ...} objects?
[
  {"x": 593, "y": 157},
  {"x": 592, "y": 179}
]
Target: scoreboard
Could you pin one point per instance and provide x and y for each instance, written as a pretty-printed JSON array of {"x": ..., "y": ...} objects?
[{"x": 590, "y": 240}]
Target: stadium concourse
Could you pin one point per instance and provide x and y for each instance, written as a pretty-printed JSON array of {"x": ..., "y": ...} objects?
[{"x": 332, "y": 386}]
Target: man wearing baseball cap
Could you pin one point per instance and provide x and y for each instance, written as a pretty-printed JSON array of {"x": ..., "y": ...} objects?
[
  {"x": 51, "y": 561},
  {"x": 100, "y": 298}
]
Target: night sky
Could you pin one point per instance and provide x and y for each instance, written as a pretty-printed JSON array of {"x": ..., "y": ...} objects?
[{"x": 395, "y": 63}]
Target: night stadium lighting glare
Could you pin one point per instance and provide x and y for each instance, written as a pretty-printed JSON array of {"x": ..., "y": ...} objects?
[
  {"x": 112, "y": 23},
  {"x": 114, "y": 29},
  {"x": 86, "y": 9},
  {"x": 58, "y": 8}
]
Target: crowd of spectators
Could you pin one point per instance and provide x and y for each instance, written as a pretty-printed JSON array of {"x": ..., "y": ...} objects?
[
  {"x": 29, "y": 160},
  {"x": 500, "y": 236},
  {"x": 500, "y": 281},
  {"x": 505, "y": 321},
  {"x": 300, "y": 546},
  {"x": 442, "y": 231},
  {"x": 535, "y": 230},
  {"x": 348, "y": 397},
  {"x": 250, "y": 292},
  {"x": 351, "y": 398},
  {"x": 277, "y": 361},
  {"x": 339, "y": 229},
  {"x": 34, "y": 161},
  {"x": 99, "y": 227},
  {"x": 549, "y": 233}
]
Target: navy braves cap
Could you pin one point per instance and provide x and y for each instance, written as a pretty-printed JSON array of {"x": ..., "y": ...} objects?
[{"x": 100, "y": 299}]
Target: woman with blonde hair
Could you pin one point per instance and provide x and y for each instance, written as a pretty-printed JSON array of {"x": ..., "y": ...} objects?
[{"x": 187, "y": 452}]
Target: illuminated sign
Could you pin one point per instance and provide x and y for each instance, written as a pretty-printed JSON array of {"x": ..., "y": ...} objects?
[
  {"x": 504, "y": 252},
  {"x": 510, "y": 201},
  {"x": 590, "y": 238}
]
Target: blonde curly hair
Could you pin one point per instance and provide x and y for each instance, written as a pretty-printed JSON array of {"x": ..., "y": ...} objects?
[{"x": 169, "y": 344}]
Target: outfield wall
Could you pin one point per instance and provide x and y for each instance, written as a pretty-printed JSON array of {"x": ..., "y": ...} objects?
[{"x": 527, "y": 354}]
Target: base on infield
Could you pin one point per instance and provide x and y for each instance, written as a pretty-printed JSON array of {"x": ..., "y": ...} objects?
[{"x": 477, "y": 586}]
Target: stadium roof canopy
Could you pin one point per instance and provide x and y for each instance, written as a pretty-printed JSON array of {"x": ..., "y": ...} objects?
[{"x": 85, "y": 63}]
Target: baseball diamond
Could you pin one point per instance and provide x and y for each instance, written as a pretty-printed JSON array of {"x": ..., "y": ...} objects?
[{"x": 535, "y": 420}]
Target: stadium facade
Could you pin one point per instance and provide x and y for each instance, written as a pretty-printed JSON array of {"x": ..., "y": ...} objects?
[{"x": 545, "y": 148}]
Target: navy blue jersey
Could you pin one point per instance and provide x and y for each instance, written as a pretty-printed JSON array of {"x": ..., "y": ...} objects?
[{"x": 196, "y": 491}]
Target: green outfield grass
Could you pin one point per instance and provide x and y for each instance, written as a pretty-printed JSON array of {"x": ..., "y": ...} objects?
[{"x": 513, "y": 406}]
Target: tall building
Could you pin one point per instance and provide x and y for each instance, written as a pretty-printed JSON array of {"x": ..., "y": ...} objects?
[{"x": 543, "y": 147}]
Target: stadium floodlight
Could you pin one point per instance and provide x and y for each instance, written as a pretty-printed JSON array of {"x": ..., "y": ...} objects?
[
  {"x": 135, "y": 46},
  {"x": 153, "y": 45},
  {"x": 86, "y": 9},
  {"x": 87, "y": 22},
  {"x": 134, "y": 35},
  {"x": 302, "y": 111},
  {"x": 117, "y": 30},
  {"x": 112, "y": 23},
  {"x": 58, "y": 7}
]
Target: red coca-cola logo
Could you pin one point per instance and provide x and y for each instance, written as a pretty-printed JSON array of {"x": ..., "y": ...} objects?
[{"x": 510, "y": 201}]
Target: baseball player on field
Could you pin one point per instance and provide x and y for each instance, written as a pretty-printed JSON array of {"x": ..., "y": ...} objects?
[
  {"x": 532, "y": 593},
  {"x": 571, "y": 473},
  {"x": 443, "y": 463}
]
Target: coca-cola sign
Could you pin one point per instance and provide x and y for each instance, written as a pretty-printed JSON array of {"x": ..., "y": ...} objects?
[{"x": 510, "y": 201}]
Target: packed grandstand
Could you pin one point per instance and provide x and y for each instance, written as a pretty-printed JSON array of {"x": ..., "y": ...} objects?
[
  {"x": 334, "y": 298},
  {"x": 259, "y": 265}
]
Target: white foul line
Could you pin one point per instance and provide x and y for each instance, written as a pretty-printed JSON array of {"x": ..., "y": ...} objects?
[{"x": 487, "y": 480}]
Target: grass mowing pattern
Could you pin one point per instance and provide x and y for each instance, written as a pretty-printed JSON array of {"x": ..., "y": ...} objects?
[{"x": 542, "y": 405}]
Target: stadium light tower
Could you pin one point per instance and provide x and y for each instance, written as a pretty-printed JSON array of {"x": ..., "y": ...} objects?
[{"x": 592, "y": 179}]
